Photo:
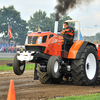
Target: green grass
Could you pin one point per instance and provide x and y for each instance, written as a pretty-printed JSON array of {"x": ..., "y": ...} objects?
[
  {"x": 27, "y": 67},
  {"x": 6, "y": 58},
  {"x": 82, "y": 97}
]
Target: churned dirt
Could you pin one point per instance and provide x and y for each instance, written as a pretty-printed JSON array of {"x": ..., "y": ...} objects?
[
  {"x": 4, "y": 62},
  {"x": 28, "y": 89}
]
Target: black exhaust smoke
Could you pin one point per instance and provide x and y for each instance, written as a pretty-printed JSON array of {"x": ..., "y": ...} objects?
[{"x": 65, "y": 5}]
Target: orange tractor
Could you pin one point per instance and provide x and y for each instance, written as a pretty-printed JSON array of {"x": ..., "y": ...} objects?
[{"x": 78, "y": 60}]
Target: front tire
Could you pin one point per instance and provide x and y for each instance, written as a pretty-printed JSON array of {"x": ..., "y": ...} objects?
[
  {"x": 18, "y": 66},
  {"x": 44, "y": 78},
  {"x": 85, "y": 70},
  {"x": 52, "y": 75},
  {"x": 53, "y": 67}
]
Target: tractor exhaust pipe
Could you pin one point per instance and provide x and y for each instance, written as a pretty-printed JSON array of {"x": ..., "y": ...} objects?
[{"x": 56, "y": 22}]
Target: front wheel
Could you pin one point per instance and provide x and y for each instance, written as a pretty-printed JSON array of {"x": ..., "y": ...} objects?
[
  {"x": 85, "y": 70},
  {"x": 18, "y": 66},
  {"x": 44, "y": 78},
  {"x": 53, "y": 67},
  {"x": 52, "y": 75}
]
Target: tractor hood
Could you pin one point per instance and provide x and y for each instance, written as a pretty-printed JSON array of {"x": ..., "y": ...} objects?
[
  {"x": 36, "y": 38},
  {"x": 40, "y": 33},
  {"x": 39, "y": 41}
]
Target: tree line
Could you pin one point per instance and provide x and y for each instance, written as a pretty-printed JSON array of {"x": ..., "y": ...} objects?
[
  {"x": 20, "y": 28},
  {"x": 95, "y": 38}
]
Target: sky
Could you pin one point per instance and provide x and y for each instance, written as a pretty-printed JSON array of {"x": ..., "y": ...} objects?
[{"x": 87, "y": 14}]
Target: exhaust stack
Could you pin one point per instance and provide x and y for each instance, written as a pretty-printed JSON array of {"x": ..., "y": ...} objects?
[{"x": 56, "y": 22}]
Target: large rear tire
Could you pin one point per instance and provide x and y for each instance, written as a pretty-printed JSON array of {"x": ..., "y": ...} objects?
[
  {"x": 85, "y": 70},
  {"x": 18, "y": 66}
]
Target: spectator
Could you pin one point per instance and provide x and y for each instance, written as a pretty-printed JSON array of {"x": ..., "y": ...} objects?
[
  {"x": 9, "y": 49},
  {"x": 2, "y": 49},
  {"x": 24, "y": 49},
  {"x": 17, "y": 49},
  {"x": 21, "y": 48},
  {"x": 12, "y": 48}
]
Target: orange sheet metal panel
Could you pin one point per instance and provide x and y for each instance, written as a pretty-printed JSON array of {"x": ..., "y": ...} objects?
[
  {"x": 74, "y": 49},
  {"x": 54, "y": 46}
]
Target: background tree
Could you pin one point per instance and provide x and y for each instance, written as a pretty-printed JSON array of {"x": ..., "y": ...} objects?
[
  {"x": 9, "y": 16},
  {"x": 36, "y": 20},
  {"x": 46, "y": 23},
  {"x": 12, "y": 17}
]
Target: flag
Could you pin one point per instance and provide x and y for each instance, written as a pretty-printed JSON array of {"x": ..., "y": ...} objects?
[
  {"x": 9, "y": 32},
  {"x": 81, "y": 38},
  {"x": 39, "y": 30}
]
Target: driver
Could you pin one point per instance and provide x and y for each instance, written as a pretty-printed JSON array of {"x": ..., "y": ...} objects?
[
  {"x": 68, "y": 35},
  {"x": 68, "y": 32}
]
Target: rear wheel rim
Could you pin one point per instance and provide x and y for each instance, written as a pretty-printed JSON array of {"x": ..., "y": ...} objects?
[
  {"x": 56, "y": 67},
  {"x": 90, "y": 66}
]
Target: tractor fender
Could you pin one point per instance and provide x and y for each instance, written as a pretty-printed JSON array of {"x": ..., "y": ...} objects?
[{"x": 77, "y": 48}]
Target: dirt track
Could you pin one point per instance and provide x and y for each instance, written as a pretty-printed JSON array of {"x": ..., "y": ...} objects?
[
  {"x": 4, "y": 62},
  {"x": 28, "y": 89}
]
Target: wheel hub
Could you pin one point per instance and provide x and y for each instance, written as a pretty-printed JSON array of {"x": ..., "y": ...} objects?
[
  {"x": 56, "y": 67},
  {"x": 88, "y": 66},
  {"x": 21, "y": 66}
]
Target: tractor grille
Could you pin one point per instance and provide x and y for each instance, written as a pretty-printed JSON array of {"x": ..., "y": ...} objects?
[{"x": 32, "y": 39}]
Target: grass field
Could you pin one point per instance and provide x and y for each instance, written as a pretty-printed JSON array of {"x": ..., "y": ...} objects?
[
  {"x": 6, "y": 58},
  {"x": 83, "y": 97},
  {"x": 6, "y": 68}
]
